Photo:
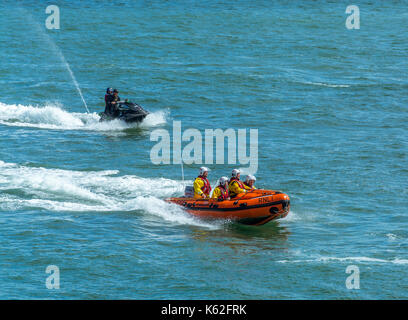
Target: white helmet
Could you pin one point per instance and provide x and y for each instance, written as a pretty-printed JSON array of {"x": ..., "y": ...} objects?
[
  {"x": 235, "y": 172},
  {"x": 203, "y": 169},
  {"x": 250, "y": 178},
  {"x": 223, "y": 180}
]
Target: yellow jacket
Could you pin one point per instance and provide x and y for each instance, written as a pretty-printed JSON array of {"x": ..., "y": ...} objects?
[
  {"x": 248, "y": 187},
  {"x": 218, "y": 193},
  {"x": 198, "y": 185},
  {"x": 234, "y": 188}
]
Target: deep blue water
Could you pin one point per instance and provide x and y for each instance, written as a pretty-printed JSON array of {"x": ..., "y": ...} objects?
[{"x": 330, "y": 106}]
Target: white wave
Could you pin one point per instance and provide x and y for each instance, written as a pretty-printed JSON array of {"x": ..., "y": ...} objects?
[
  {"x": 400, "y": 261},
  {"x": 347, "y": 259},
  {"x": 356, "y": 259},
  {"x": 155, "y": 119},
  {"x": 56, "y": 118},
  {"x": 67, "y": 190},
  {"x": 292, "y": 216},
  {"x": 327, "y": 84},
  {"x": 169, "y": 212}
]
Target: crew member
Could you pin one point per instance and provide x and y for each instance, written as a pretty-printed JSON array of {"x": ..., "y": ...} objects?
[
  {"x": 249, "y": 182},
  {"x": 235, "y": 186},
  {"x": 114, "y": 103},
  {"x": 201, "y": 185},
  {"x": 221, "y": 191},
  {"x": 108, "y": 94}
]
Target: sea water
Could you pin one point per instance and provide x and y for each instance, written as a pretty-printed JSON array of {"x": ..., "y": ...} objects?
[{"x": 330, "y": 107}]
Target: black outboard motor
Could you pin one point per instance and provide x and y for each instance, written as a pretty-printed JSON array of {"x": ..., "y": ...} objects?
[{"x": 189, "y": 192}]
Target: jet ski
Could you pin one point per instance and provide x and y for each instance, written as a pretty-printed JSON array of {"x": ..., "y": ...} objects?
[
  {"x": 127, "y": 111},
  {"x": 256, "y": 207}
]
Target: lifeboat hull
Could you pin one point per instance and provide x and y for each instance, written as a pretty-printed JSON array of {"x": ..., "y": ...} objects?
[{"x": 253, "y": 208}]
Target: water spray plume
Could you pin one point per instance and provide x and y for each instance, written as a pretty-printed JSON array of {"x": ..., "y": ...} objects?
[{"x": 56, "y": 50}]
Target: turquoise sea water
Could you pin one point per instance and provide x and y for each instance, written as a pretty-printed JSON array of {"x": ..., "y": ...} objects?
[{"x": 330, "y": 106}]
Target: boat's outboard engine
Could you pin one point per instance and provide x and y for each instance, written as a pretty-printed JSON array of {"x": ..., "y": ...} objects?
[{"x": 189, "y": 192}]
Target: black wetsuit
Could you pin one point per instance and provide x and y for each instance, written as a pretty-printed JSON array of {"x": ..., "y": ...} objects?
[
  {"x": 112, "y": 109},
  {"x": 107, "y": 103}
]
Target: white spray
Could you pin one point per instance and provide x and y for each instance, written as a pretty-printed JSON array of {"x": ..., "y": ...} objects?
[
  {"x": 55, "y": 48},
  {"x": 71, "y": 74}
]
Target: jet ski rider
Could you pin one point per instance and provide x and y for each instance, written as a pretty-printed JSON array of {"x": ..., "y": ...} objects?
[
  {"x": 109, "y": 92},
  {"x": 236, "y": 186},
  {"x": 221, "y": 191},
  {"x": 114, "y": 99},
  {"x": 201, "y": 185}
]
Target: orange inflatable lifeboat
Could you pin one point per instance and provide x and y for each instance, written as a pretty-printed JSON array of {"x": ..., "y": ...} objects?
[{"x": 255, "y": 207}]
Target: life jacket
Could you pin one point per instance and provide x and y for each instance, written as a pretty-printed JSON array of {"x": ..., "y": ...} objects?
[
  {"x": 109, "y": 108},
  {"x": 240, "y": 184},
  {"x": 206, "y": 189},
  {"x": 107, "y": 104},
  {"x": 224, "y": 193},
  {"x": 249, "y": 186}
]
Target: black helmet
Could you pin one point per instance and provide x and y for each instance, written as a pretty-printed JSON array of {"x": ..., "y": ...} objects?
[
  {"x": 109, "y": 90},
  {"x": 115, "y": 90}
]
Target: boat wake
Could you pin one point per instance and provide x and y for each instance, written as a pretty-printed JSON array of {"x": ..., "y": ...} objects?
[
  {"x": 36, "y": 188},
  {"x": 330, "y": 85},
  {"x": 56, "y": 118},
  {"x": 361, "y": 259}
]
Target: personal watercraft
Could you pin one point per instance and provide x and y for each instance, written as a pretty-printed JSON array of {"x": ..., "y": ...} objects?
[
  {"x": 256, "y": 207},
  {"x": 127, "y": 111}
]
